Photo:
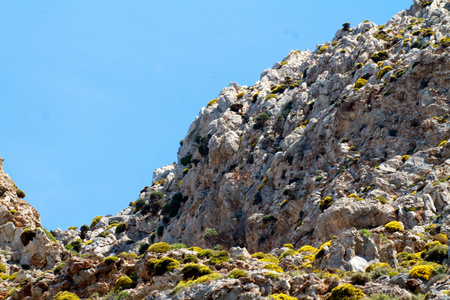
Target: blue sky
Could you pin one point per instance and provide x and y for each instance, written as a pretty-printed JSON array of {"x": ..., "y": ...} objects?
[{"x": 94, "y": 95}]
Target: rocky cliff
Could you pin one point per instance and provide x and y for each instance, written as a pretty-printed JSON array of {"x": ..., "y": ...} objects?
[
  {"x": 333, "y": 170},
  {"x": 333, "y": 122}
]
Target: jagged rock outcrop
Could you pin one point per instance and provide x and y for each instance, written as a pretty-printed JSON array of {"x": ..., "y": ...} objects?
[
  {"x": 23, "y": 242},
  {"x": 333, "y": 122},
  {"x": 12, "y": 207}
]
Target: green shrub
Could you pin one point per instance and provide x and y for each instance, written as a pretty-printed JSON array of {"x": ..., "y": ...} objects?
[
  {"x": 445, "y": 42},
  {"x": 295, "y": 84},
  {"x": 360, "y": 83},
  {"x": 143, "y": 248},
  {"x": 290, "y": 246},
  {"x": 122, "y": 227},
  {"x": 151, "y": 264},
  {"x": 383, "y": 71},
  {"x": 284, "y": 203},
  {"x": 381, "y": 199},
  {"x": 178, "y": 246},
  {"x": 279, "y": 89},
  {"x": 272, "y": 276},
  {"x": 416, "y": 44},
  {"x": 50, "y": 235},
  {"x": 381, "y": 35},
  {"x": 56, "y": 269},
  {"x": 417, "y": 32},
  {"x": 210, "y": 232},
  {"x": 172, "y": 207},
  {"x": 407, "y": 260},
  {"x": 366, "y": 232},
  {"x": 396, "y": 39},
  {"x": 212, "y": 102},
  {"x": 203, "y": 143},
  {"x": 193, "y": 271},
  {"x": 360, "y": 278},
  {"x": 139, "y": 204},
  {"x": 261, "y": 119},
  {"x": 255, "y": 97},
  {"x": 96, "y": 220},
  {"x": 66, "y": 296},
  {"x": 109, "y": 260},
  {"x": 424, "y": 272},
  {"x": 427, "y": 32},
  {"x": 157, "y": 195},
  {"x": 159, "y": 247},
  {"x": 322, "y": 49},
  {"x": 240, "y": 95},
  {"x": 375, "y": 266},
  {"x": 393, "y": 226},
  {"x": 346, "y": 292},
  {"x": 165, "y": 264},
  {"x": 281, "y": 296},
  {"x": 270, "y": 96},
  {"x": 190, "y": 283},
  {"x": 123, "y": 283},
  {"x": 325, "y": 203},
  {"x": 379, "y": 56},
  {"x": 83, "y": 230},
  {"x": 437, "y": 253},
  {"x": 273, "y": 267},
  {"x": 128, "y": 256},
  {"x": 265, "y": 257},
  {"x": 196, "y": 249},
  {"x": 286, "y": 253},
  {"x": 185, "y": 171},
  {"x": 441, "y": 238},
  {"x": 186, "y": 159},
  {"x": 219, "y": 257},
  {"x": 2, "y": 268},
  {"x": 236, "y": 273},
  {"x": 268, "y": 218},
  {"x": 76, "y": 244},
  {"x": 383, "y": 269},
  {"x": 20, "y": 194},
  {"x": 190, "y": 258},
  {"x": 205, "y": 253}
]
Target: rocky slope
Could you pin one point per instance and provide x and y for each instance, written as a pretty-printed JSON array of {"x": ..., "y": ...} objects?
[{"x": 333, "y": 169}]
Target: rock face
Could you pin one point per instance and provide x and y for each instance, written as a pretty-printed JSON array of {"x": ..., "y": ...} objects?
[
  {"x": 308, "y": 130},
  {"x": 13, "y": 208},
  {"x": 21, "y": 236},
  {"x": 340, "y": 153}
]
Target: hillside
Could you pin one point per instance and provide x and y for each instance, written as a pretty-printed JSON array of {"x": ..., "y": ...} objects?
[{"x": 332, "y": 171}]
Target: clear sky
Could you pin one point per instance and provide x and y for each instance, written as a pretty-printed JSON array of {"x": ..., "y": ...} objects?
[{"x": 94, "y": 95}]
